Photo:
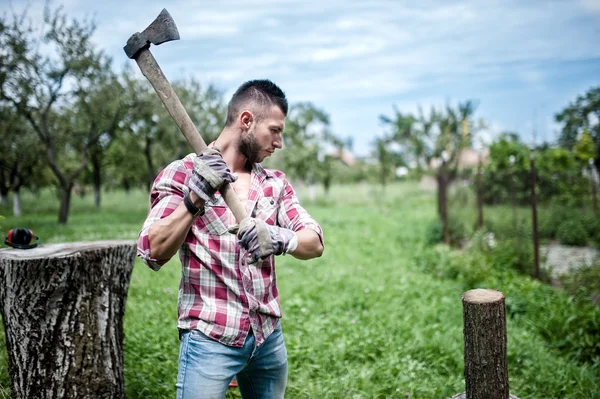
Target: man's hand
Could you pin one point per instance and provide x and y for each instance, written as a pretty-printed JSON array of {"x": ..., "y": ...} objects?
[
  {"x": 210, "y": 174},
  {"x": 262, "y": 240}
]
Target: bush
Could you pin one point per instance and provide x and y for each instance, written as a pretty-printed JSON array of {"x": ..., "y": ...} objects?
[
  {"x": 435, "y": 232},
  {"x": 583, "y": 284},
  {"x": 566, "y": 323},
  {"x": 591, "y": 223},
  {"x": 551, "y": 218},
  {"x": 572, "y": 232}
]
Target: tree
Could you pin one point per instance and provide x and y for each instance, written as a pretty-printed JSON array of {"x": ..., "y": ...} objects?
[
  {"x": 384, "y": 158},
  {"x": 155, "y": 134},
  {"x": 20, "y": 159},
  {"x": 584, "y": 148},
  {"x": 46, "y": 86},
  {"x": 101, "y": 108},
  {"x": 581, "y": 115},
  {"x": 435, "y": 141},
  {"x": 506, "y": 180},
  {"x": 306, "y": 125}
]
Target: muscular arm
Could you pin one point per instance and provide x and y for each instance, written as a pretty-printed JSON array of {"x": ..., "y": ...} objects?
[
  {"x": 167, "y": 235},
  {"x": 309, "y": 245}
]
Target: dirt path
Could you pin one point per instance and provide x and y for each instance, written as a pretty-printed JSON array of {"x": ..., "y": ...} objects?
[{"x": 562, "y": 259}]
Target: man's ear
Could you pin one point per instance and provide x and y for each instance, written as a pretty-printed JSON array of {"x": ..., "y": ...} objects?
[{"x": 246, "y": 119}]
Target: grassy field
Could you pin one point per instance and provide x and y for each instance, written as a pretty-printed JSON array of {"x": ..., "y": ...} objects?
[{"x": 367, "y": 320}]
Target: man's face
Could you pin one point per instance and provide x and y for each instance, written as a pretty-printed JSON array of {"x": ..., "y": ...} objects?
[{"x": 264, "y": 136}]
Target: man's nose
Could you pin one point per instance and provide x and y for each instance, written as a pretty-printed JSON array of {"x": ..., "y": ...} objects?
[{"x": 278, "y": 143}]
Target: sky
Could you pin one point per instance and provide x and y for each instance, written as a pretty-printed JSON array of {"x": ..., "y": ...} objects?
[{"x": 521, "y": 61}]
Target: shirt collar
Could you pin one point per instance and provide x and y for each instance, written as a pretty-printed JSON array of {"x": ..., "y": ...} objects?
[{"x": 261, "y": 172}]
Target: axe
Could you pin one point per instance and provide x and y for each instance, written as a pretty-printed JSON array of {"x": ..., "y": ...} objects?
[{"x": 162, "y": 30}]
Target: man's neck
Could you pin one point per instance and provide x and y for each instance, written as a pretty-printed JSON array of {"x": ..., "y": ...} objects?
[{"x": 228, "y": 144}]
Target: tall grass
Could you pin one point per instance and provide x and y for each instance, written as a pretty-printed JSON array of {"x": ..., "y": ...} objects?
[{"x": 366, "y": 320}]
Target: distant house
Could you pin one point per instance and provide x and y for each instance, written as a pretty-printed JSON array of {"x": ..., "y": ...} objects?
[
  {"x": 468, "y": 158},
  {"x": 347, "y": 158}
]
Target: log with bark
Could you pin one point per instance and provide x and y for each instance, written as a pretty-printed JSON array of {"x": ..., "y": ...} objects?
[
  {"x": 486, "y": 369},
  {"x": 62, "y": 306}
]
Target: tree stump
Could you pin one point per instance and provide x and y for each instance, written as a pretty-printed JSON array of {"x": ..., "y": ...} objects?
[
  {"x": 486, "y": 369},
  {"x": 62, "y": 307}
]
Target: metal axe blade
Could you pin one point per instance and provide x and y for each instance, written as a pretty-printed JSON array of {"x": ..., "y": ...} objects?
[{"x": 161, "y": 30}]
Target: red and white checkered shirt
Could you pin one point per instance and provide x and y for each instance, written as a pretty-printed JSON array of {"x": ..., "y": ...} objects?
[{"x": 219, "y": 294}]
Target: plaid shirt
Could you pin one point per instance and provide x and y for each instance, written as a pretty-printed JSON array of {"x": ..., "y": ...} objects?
[{"x": 220, "y": 295}]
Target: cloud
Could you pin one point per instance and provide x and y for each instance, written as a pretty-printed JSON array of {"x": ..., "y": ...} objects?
[
  {"x": 590, "y": 5},
  {"x": 359, "y": 58}
]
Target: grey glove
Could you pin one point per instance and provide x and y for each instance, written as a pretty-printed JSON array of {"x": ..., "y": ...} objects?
[
  {"x": 210, "y": 174},
  {"x": 262, "y": 240}
]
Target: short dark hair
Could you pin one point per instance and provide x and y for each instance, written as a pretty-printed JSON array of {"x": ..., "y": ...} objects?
[{"x": 260, "y": 92}]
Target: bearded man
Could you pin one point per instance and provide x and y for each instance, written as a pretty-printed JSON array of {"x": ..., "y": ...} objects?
[{"x": 228, "y": 310}]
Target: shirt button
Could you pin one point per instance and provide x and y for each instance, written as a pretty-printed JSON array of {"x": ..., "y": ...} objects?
[{"x": 272, "y": 201}]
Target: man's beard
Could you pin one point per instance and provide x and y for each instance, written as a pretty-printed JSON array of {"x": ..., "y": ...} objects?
[{"x": 250, "y": 148}]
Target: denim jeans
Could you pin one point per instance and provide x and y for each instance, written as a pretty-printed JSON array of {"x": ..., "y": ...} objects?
[{"x": 206, "y": 367}]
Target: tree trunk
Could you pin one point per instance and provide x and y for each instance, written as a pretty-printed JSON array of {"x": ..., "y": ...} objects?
[
  {"x": 312, "y": 192},
  {"x": 62, "y": 307},
  {"x": 327, "y": 184},
  {"x": 65, "y": 204},
  {"x": 17, "y": 202},
  {"x": 3, "y": 188},
  {"x": 479, "y": 194},
  {"x": 442, "y": 180},
  {"x": 594, "y": 196},
  {"x": 97, "y": 178},
  {"x": 534, "y": 226},
  {"x": 126, "y": 186},
  {"x": 486, "y": 369},
  {"x": 149, "y": 163}
]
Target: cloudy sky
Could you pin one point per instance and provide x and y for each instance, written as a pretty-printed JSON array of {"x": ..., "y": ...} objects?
[{"x": 521, "y": 60}]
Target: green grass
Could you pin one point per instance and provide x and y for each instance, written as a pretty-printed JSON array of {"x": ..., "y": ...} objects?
[{"x": 366, "y": 320}]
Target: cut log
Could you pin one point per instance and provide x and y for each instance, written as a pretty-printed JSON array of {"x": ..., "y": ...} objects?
[
  {"x": 486, "y": 370},
  {"x": 62, "y": 307}
]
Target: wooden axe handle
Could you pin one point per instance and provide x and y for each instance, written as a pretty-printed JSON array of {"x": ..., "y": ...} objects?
[{"x": 154, "y": 74}]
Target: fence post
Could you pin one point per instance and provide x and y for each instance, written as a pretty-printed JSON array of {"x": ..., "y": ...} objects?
[
  {"x": 534, "y": 226},
  {"x": 486, "y": 368}
]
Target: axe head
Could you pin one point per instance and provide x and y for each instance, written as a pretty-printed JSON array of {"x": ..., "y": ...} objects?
[{"x": 162, "y": 30}]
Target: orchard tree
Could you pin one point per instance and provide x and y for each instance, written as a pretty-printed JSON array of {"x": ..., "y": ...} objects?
[
  {"x": 155, "y": 134},
  {"x": 101, "y": 108},
  {"x": 48, "y": 87},
  {"x": 20, "y": 159},
  {"x": 384, "y": 158},
  {"x": 436, "y": 141},
  {"x": 305, "y": 126},
  {"x": 580, "y": 116}
]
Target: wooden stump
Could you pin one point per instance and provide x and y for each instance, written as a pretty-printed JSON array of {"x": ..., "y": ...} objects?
[
  {"x": 62, "y": 307},
  {"x": 486, "y": 370}
]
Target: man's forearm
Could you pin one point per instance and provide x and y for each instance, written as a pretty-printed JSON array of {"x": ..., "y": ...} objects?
[
  {"x": 309, "y": 245},
  {"x": 166, "y": 235}
]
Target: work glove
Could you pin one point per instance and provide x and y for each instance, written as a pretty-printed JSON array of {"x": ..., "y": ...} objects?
[
  {"x": 210, "y": 174},
  {"x": 261, "y": 240}
]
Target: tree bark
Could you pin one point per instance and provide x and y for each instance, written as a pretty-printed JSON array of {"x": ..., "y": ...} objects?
[
  {"x": 65, "y": 203},
  {"x": 479, "y": 193},
  {"x": 149, "y": 163},
  {"x": 97, "y": 178},
  {"x": 534, "y": 226},
  {"x": 62, "y": 307},
  {"x": 17, "y": 211},
  {"x": 486, "y": 369},
  {"x": 3, "y": 187},
  {"x": 442, "y": 180}
]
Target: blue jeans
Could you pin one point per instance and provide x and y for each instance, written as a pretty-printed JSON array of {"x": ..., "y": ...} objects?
[{"x": 206, "y": 367}]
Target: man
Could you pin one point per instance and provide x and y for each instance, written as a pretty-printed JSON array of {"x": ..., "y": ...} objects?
[{"x": 228, "y": 313}]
